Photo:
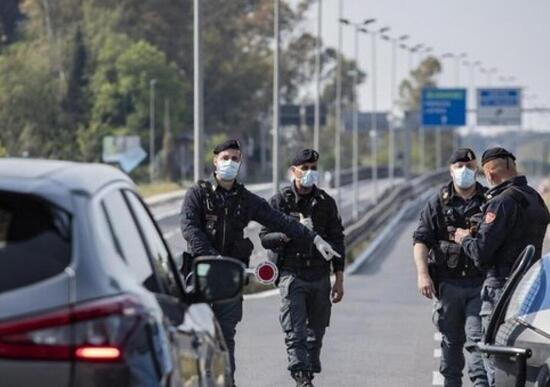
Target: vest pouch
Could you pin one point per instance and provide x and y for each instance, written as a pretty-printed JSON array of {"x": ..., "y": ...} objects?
[
  {"x": 449, "y": 254},
  {"x": 242, "y": 250}
]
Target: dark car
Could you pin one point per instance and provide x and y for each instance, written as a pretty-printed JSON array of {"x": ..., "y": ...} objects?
[
  {"x": 518, "y": 337},
  {"x": 89, "y": 293}
]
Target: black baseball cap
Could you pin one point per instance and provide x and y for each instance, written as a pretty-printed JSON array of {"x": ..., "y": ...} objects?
[
  {"x": 305, "y": 156},
  {"x": 462, "y": 154},
  {"x": 229, "y": 144},
  {"x": 496, "y": 153}
]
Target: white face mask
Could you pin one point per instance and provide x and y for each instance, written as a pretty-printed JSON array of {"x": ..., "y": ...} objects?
[
  {"x": 464, "y": 177},
  {"x": 309, "y": 178},
  {"x": 227, "y": 169}
]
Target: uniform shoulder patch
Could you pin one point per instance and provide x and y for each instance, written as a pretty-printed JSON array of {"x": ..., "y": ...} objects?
[{"x": 490, "y": 217}]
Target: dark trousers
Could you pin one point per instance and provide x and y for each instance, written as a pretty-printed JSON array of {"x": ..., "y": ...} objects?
[
  {"x": 456, "y": 315},
  {"x": 489, "y": 298},
  {"x": 304, "y": 317},
  {"x": 229, "y": 314}
]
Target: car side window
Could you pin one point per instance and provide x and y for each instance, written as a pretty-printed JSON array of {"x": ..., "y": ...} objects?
[
  {"x": 157, "y": 248},
  {"x": 128, "y": 241}
]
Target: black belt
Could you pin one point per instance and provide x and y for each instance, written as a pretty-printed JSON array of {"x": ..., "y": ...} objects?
[{"x": 301, "y": 263}]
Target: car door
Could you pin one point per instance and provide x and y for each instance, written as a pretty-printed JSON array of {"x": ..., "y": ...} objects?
[{"x": 184, "y": 343}]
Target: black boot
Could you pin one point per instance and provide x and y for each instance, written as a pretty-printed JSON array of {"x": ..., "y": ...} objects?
[{"x": 303, "y": 378}]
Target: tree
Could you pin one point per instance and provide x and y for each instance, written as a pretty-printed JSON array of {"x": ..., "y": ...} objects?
[{"x": 410, "y": 89}]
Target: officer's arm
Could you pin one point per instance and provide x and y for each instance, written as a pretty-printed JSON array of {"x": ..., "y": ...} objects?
[
  {"x": 192, "y": 224},
  {"x": 273, "y": 240},
  {"x": 335, "y": 236},
  {"x": 274, "y": 220},
  {"x": 427, "y": 230},
  {"x": 497, "y": 223}
]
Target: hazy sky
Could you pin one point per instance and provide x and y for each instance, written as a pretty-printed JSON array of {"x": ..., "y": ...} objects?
[{"x": 511, "y": 35}]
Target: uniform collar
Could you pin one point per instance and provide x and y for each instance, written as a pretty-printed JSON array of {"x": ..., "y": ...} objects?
[
  {"x": 216, "y": 185},
  {"x": 517, "y": 181},
  {"x": 314, "y": 192}
]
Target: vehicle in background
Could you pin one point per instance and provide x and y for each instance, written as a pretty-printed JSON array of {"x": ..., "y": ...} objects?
[
  {"x": 518, "y": 336},
  {"x": 89, "y": 292}
]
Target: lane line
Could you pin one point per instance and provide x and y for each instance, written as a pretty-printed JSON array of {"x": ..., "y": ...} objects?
[
  {"x": 437, "y": 353},
  {"x": 171, "y": 234},
  {"x": 437, "y": 379},
  {"x": 437, "y": 336},
  {"x": 261, "y": 295}
]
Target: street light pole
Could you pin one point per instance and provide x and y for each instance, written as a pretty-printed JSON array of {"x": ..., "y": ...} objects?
[
  {"x": 317, "y": 122},
  {"x": 338, "y": 115},
  {"x": 152, "y": 84},
  {"x": 276, "y": 106},
  {"x": 357, "y": 27},
  {"x": 198, "y": 117}
]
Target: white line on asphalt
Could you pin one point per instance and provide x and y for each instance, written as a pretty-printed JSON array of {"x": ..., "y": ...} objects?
[
  {"x": 437, "y": 336},
  {"x": 261, "y": 295},
  {"x": 167, "y": 214},
  {"x": 437, "y": 353},
  {"x": 437, "y": 379},
  {"x": 170, "y": 234}
]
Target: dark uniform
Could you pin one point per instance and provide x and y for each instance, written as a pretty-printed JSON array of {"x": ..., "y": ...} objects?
[
  {"x": 304, "y": 282},
  {"x": 212, "y": 223},
  {"x": 457, "y": 281},
  {"x": 514, "y": 216}
]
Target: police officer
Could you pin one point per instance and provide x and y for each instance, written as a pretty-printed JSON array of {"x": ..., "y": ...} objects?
[
  {"x": 304, "y": 282},
  {"x": 513, "y": 217},
  {"x": 444, "y": 271},
  {"x": 213, "y": 217}
]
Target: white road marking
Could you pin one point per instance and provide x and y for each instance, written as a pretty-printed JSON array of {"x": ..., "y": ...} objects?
[
  {"x": 261, "y": 295},
  {"x": 437, "y": 379},
  {"x": 437, "y": 336},
  {"x": 437, "y": 353},
  {"x": 171, "y": 234}
]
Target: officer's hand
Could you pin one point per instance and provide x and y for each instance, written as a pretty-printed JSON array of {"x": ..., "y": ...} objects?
[
  {"x": 325, "y": 248},
  {"x": 337, "y": 292},
  {"x": 460, "y": 234},
  {"x": 308, "y": 222},
  {"x": 426, "y": 286}
]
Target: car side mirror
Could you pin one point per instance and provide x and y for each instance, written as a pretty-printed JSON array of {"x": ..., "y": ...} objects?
[{"x": 217, "y": 279}]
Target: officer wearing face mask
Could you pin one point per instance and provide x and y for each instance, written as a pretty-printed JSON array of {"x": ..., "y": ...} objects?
[
  {"x": 445, "y": 272},
  {"x": 213, "y": 217},
  {"x": 304, "y": 283},
  {"x": 514, "y": 216}
]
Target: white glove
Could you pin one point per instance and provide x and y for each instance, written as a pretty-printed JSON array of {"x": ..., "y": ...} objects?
[
  {"x": 307, "y": 222},
  {"x": 325, "y": 248}
]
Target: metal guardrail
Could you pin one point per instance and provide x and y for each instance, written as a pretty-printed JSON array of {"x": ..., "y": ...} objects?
[{"x": 389, "y": 204}]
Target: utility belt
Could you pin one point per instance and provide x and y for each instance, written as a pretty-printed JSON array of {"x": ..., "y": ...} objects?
[
  {"x": 303, "y": 263},
  {"x": 451, "y": 263}
]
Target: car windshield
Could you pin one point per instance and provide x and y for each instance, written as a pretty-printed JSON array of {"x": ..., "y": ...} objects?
[{"x": 35, "y": 240}]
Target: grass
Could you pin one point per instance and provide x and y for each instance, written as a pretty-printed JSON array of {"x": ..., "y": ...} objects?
[{"x": 148, "y": 190}]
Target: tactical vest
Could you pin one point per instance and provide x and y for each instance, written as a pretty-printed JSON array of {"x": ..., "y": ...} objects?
[
  {"x": 225, "y": 221},
  {"x": 451, "y": 261},
  {"x": 529, "y": 229},
  {"x": 295, "y": 250}
]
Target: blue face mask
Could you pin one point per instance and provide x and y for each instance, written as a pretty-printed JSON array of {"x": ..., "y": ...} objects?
[
  {"x": 464, "y": 177},
  {"x": 227, "y": 170},
  {"x": 309, "y": 178}
]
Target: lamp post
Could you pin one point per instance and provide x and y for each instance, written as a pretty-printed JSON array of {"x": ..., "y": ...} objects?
[
  {"x": 276, "y": 93},
  {"x": 198, "y": 118},
  {"x": 357, "y": 27},
  {"x": 317, "y": 119},
  {"x": 391, "y": 157},
  {"x": 338, "y": 109},
  {"x": 152, "y": 84}
]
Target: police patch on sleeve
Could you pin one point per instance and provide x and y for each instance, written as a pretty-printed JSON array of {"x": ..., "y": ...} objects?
[{"x": 490, "y": 217}]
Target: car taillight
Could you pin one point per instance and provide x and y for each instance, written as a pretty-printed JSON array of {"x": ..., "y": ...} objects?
[{"x": 92, "y": 331}]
